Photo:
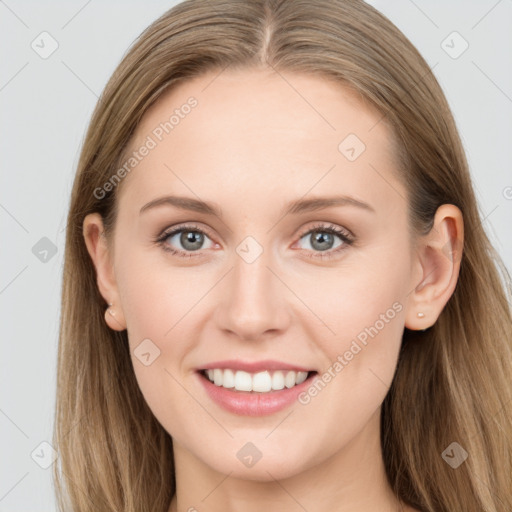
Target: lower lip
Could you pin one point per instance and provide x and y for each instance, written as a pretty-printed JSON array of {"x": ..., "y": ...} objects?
[{"x": 247, "y": 403}]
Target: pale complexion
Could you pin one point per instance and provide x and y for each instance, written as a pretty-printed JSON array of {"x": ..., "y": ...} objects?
[{"x": 251, "y": 146}]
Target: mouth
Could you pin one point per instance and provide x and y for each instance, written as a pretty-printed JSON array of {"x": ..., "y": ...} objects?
[
  {"x": 254, "y": 388},
  {"x": 263, "y": 382}
]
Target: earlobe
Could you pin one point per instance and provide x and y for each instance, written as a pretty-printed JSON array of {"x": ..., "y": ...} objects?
[
  {"x": 439, "y": 254},
  {"x": 114, "y": 318},
  {"x": 98, "y": 249}
]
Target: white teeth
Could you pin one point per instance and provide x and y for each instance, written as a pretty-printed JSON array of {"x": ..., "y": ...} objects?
[
  {"x": 228, "y": 380},
  {"x": 289, "y": 380},
  {"x": 261, "y": 382},
  {"x": 217, "y": 377},
  {"x": 243, "y": 381},
  {"x": 278, "y": 380},
  {"x": 301, "y": 377}
]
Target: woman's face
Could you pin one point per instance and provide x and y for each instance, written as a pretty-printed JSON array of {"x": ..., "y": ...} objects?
[{"x": 265, "y": 281}]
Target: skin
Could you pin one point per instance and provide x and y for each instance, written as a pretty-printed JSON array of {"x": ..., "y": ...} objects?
[{"x": 252, "y": 145}]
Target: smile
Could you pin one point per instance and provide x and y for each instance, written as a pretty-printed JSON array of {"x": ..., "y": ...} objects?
[
  {"x": 261, "y": 382},
  {"x": 257, "y": 393}
]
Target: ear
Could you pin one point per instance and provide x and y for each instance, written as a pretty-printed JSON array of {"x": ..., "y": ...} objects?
[
  {"x": 101, "y": 256},
  {"x": 438, "y": 263}
]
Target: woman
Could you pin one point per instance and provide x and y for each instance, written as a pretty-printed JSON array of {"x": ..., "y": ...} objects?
[{"x": 278, "y": 292}]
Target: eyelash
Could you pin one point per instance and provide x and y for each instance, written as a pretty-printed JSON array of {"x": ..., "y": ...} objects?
[{"x": 345, "y": 236}]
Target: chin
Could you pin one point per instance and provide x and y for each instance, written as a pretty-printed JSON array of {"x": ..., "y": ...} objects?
[{"x": 265, "y": 469}]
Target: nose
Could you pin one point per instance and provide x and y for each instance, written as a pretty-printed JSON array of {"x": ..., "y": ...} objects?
[{"x": 253, "y": 305}]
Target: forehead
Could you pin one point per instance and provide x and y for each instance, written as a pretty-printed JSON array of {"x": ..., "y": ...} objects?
[{"x": 261, "y": 132}]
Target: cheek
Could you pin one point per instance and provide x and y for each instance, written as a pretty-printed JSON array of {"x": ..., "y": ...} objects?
[
  {"x": 162, "y": 308},
  {"x": 362, "y": 301},
  {"x": 156, "y": 295},
  {"x": 361, "y": 360},
  {"x": 360, "y": 316}
]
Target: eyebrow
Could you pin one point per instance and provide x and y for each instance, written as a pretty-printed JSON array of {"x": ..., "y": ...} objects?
[{"x": 294, "y": 208}]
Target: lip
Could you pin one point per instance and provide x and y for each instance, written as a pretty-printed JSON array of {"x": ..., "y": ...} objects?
[
  {"x": 254, "y": 366},
  {"x": 246, "y": 403}
]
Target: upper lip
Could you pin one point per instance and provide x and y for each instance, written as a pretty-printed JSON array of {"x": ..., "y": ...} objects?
[{"x": 254, "y": 366}]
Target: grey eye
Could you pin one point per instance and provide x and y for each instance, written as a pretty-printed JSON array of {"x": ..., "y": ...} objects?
[
  {"x": 321, "y": 240},
  {"x": 190, "y": 240}
]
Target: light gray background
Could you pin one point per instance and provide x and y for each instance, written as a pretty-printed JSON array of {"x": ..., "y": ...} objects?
[{"x": 46, "y": 105}]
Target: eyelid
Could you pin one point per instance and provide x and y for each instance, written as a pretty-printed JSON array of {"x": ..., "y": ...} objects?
[
  {"x": 346, "y": 236},
  {"x": 339, "y": 230},
  {"x": 171, "y": 231},
  {"x": 186, "y": 226}
]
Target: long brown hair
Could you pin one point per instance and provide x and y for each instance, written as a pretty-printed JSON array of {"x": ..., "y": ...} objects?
[{"x": 453, "y": 381}]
